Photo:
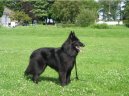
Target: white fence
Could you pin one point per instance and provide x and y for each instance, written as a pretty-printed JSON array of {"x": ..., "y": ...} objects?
[{"x": 110, "y": 22}]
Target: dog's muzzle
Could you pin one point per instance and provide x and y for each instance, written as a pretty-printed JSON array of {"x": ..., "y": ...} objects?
[{"x": 78, "y": 48}]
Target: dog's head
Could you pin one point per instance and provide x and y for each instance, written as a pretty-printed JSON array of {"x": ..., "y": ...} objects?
[{"x": 75, "y": 42}]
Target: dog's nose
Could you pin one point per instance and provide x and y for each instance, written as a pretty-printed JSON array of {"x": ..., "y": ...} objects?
[{"x": 83, "y": 45}]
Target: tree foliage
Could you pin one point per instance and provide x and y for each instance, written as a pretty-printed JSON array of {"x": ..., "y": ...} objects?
[
  {"x": 15, "y": 5},
  {"x": 110, "y": 7},
  {"x": 90, "y": 5},
  {"x": 27, "y": 7},
  {"x": 85, "y": 18},
  {"x": 20, "y": 16},
  {"x": 62, "y": 11},
  {"x": 65, "y": 11},
  {"x": 126, "y": 14},
  {"x": 1, "y": 8},
  {"x": 87, "y": 14},
  {"x": 40, "y": 9}
]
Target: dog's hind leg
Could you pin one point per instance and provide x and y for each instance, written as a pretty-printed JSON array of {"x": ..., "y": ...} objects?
[
  {"x": 39, "y": 67},
  {"x": 28, "y": 70}
]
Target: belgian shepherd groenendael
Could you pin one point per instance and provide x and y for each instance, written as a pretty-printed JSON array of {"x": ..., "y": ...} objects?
[{"x": 61, "y": 59}]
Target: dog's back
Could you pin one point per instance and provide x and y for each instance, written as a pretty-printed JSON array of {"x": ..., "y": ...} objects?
[{"x": 42, "y": 56}]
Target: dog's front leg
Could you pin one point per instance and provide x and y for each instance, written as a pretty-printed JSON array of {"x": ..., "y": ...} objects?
[
  {"x": 35, "y": 78},
  {"x": 62, "y": 77},
  {"x": 68, "y": 77}
]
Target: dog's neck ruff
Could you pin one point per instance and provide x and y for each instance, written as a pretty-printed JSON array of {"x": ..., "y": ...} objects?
[{"x": 73, "y": 54}]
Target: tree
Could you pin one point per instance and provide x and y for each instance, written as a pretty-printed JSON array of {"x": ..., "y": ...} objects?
[
  {"x": 27, "y": 7},
  {"x": 85, "y": 18},
  {"x": 1, "y": 8},
  {"x": 40, "y": 9},
  {"x": 20, "y": 16},
  {"x": 126, "y": 14},
  {"x": 87, "y": 14},
  {"x": 13, "y": 4},
  {"x": 65, "y": 11},
  {"x": 35, "y": 9},
  {"x": 90, "y": 4},
  {"x": 110, "y": 7}
]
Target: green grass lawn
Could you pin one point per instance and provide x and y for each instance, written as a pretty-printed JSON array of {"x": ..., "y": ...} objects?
[{"x": 103, "y": 65}]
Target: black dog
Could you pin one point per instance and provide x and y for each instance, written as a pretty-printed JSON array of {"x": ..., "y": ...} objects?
[{"x": 61, "y": 59}]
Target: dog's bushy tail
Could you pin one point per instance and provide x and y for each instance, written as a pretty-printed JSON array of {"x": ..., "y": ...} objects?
[{"x": 27, "y": 72}]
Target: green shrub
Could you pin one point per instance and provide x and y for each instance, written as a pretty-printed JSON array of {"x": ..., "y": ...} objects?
[
  {"x": 20, "y": 16},
  {"x": 1, "y": 8},
  {"x": 65, "y": 25},
  {"x": 85, "y": 18},
  {"x": 126, "y": 14},
  {"x": 126, "y": 22},
  {"x": 100, "y": 26},
  {"x": 68, "y": 25}
]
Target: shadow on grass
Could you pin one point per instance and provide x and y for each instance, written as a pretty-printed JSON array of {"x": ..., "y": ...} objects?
[
  {"x": 44, "y": 78},
  {"x": 50, "y": 79}
]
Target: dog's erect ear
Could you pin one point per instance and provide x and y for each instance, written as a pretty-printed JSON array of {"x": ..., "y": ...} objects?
[
  {"x": 70, "y": 35},
  {"x": 73, "y": 33}
]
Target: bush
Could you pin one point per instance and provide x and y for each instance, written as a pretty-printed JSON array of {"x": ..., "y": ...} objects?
[
  {"x": 100, "y": 26},
  {"x": 65, "y": 11},
  {"x": 20, "y": 16},
  {"x": 68, "y": 25},
  {"x": 85, "y": 18},
  {"x": 126, "y": 22},
  {"x": 126, "y": 14},
  {"x": 1, "y": 8}
]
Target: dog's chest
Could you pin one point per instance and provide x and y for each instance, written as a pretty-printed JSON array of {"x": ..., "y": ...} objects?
[{"x": 68, "y": 62}]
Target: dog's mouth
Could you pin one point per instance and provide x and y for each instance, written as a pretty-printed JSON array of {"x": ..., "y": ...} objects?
[{"x": 78, "y": 48}]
